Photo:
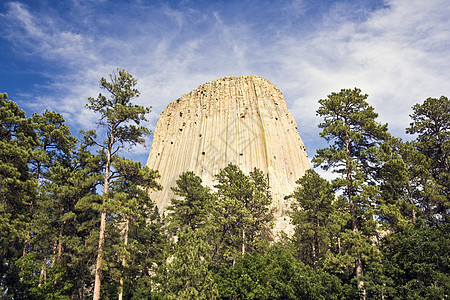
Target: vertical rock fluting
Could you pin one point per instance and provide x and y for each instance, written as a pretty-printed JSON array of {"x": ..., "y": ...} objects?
[{"x": 240, "y": 120}]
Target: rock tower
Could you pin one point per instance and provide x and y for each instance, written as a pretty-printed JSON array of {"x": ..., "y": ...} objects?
[{"x": 240, "y": 120}]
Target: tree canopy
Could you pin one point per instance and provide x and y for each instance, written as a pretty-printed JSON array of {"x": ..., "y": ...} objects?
[{"x": 77, "y": 220}]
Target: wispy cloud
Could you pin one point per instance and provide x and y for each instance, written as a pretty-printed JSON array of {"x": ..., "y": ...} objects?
[
  {"x": 391, "y": 59},
  {"x": 396, "y": 51},
  {"x": 42, "y": 36}
]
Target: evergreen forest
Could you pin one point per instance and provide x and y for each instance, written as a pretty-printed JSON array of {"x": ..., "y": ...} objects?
[{"x": 77, "y": 222}]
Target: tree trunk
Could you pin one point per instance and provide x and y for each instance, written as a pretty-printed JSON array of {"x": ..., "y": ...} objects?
[
  {"x": 55, "y": 246},
  {"x": 359, "y": 274},
  {"x": 314, "y": 256},
  {"x": 58, "y": 258},
  {"x": 216, "y": 248},
  {"x": 81, "y": 295},
  {"x": 124, "y": 260},
  {"x": 58, "y": 246},
  {"x": 243, "y": 241},
  {"x": 42, "y": 276},
  {"x": 411, "y": 201},
  {"x": 318, "y": 240},
  {"x": 98, "y": 267},
  {"x": 358, "y": 262},
  {"x": 101, "y": 239}
]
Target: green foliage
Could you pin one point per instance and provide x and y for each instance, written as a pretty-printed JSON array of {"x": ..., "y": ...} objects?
[
  {"x": 319, "y": 218},
  {"x": 186, "y": 273},
  {"x": 73, "y": 228},
  {"x": 117, "y": 112},
  {"x": 146, "y": 248},
  {"x": 242, "y": 215},
  {"x": 355, "y": 137},
  {"x": 417, "y": 261},
  {"x": 349, "y": 124},
  {"x": 276, "y": 274},
  {"x": 17, "y": 187},
  {"x": 119, "y": 118},
  {"x": 404, "y": 178},
  {"x": 194, "y": 205},
  {"x": 431, "y": 122},
  {"x": 211, "y": 230},
  {"x": 49, "y": 212},
  {"x": 17, "y": 191},
  {"x": 62, "y": 235},
  {"x": 388, "y": 219},
  {"x": 129, "y": 192},
  {"x": 135, "y": 224},
  {"x": 56, "y": 141}
]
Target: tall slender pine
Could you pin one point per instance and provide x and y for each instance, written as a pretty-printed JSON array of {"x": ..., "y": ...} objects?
[
  {"x": 349, "y": 126},
  {"x": 116, "y": 114}
]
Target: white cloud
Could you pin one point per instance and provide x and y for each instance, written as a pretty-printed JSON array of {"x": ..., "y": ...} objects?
[
  {"x": 41, "y": 36},
  {"x": 388, "y": 56},
  {"x": 398, "y": 54}
]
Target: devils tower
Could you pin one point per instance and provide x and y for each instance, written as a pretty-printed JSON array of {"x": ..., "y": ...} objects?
[{"x": 240, "y": 120}]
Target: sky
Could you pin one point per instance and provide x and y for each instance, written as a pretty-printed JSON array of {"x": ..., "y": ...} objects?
[{"x": 53, "y": 53}]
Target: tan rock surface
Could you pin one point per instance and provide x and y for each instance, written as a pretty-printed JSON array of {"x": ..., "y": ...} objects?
[{"x": 242, "y": 120}]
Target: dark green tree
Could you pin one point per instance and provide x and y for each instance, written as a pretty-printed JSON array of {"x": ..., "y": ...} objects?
[
  {"x": 117, "y": 115},
  {"x": 260, "y": 231},
  {"x": 317, "y": 217},
  {"x": 186, "y": 273},
  {"x": 54, "y": 148},
  {"x": 63, "y": 245},
  {"x": 147, "y": 241},
  {"x": 276, "y": 274},
  {"x": 210, "y": 230},
  {"x": 404, "y": 178},
  {"x": 243, "y": 216},
  {"x": 56, "y": 141},
  {"x": 193, "y": 205},
  {"x": 349, "y": 126},
  {"x": 17, "y": 192},
  {"x": 431, "y": 124},
  {"x": 131, "y": 202},
  {"x": 416, "y": 260}
]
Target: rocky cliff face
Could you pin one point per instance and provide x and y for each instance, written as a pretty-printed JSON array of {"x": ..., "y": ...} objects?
[{"x": 240, "y": 120}]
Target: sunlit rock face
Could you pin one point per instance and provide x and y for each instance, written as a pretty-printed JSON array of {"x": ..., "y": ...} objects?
[{"x": 240, "y": 120}]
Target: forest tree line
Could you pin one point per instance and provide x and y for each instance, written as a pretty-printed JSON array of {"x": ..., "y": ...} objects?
[{"x": 77, "y": 222}]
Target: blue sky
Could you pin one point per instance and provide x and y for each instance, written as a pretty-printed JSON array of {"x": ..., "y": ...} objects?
[{"x": 52, "y": 53}]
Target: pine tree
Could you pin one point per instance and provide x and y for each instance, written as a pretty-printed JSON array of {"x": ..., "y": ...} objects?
[
  {"x": 131, "y": 202},
  {"x": 147, "y": 241},
  {"x": 81, "y": 231},
  {"x": 404, "y": 176},
  {"x": 193, "y": 205},
  {"x": 317, "y": 217},
  {"x": 243, "y": 216},
  {"x": 186, "y": 272},
  {"x": 56, "y": 141},
  {"x": 116, "y": 114},
  {"x": 55, "y": 148},
  {"x": 431, "y": 123},
  {"x": 61, "y": 248},
  {"x": 349, "y": 125},
  {"x": 416, "y": 262},
  {"x": 276, "y": 274},
  {"x": 17, "y": 192}
]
